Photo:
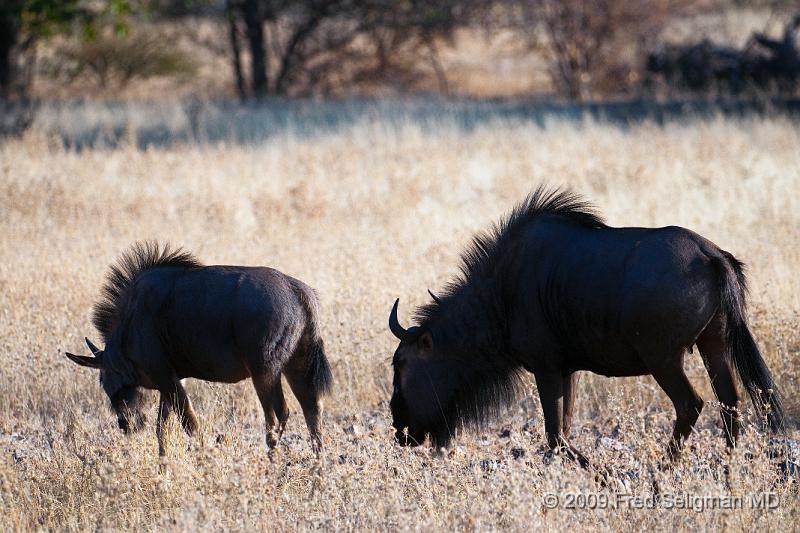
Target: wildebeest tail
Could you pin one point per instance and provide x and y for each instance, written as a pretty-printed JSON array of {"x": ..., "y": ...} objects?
[
  {"x": 741, "y": 345},
  {"x": 318, "y": 370}
]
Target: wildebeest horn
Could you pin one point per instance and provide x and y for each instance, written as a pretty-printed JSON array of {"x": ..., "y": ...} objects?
[
  {"x": 397, "y": 330},
  {"x": 85, "y": 360},
  {"x": 95, "y": 350},
  {"x": 435, "y": 298}
]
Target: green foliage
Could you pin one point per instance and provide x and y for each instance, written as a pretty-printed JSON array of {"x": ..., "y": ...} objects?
[
  {"x": 115, "y": 59},
  {"x": 104, "y": 41},
  {"x": 44, "y": 18}
]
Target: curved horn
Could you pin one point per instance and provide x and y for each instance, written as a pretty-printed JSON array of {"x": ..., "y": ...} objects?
[
  {"x": 83, "y": 360},
  {"x": 394, "y": 325},
  {"x": 95, "y": 350},
  {"x": 435, "y": 298}
]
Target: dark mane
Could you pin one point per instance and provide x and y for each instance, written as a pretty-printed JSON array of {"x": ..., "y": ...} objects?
[
  {"x": 487, "y": 388},
  {"x": 140, "y": 257},
  {"x": 487, "y": 248},
  {"x": 488, "y": 376}
]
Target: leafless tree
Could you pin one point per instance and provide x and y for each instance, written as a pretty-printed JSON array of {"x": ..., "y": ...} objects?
[
  {"x": 318, "y": 46},
  {"x": 595, "y": 47}
]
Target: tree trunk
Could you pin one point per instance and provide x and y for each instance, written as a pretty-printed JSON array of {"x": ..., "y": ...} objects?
[
  {"x": 254, "y": 21},
  {"x": 436, "y": 62},
  {"x": 236, "y": 52},
  {"x": 293, "y": 48},
  {"x": 8, "y": 39}
]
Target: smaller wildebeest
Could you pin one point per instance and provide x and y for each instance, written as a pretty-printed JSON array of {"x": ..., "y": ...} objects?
[
  {"x": 164, "y": 316},
  {"x": 553, "y": 290}
]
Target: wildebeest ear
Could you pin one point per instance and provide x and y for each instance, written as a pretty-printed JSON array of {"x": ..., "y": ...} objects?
[
  {"x": 83, "y": 360},
  {"x": 425, "y": 344}
]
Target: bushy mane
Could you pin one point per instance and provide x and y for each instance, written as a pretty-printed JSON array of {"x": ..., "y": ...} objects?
[
  {"x": 482, "y": 256},
  {"x": 485, "y": 392},
  {"x": 140, "y": 257},
  {"x": 468, "y": 320}
]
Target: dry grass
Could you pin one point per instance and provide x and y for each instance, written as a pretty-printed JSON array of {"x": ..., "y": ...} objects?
[{"x": 366, "y": 214}]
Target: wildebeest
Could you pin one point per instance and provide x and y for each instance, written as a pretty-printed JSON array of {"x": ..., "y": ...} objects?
[
  {"x": 553, "y": 290},
  {"x": 164, "y": 316},
  {"x": 763, "y": 63}
]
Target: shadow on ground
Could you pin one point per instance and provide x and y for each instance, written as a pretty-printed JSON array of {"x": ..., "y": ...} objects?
[{"x": 80, "y": 125}]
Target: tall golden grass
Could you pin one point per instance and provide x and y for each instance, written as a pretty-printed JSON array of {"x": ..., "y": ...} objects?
[{"x": 366, "y": 214}]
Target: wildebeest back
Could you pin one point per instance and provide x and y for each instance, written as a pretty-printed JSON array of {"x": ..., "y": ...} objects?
[{"x": 208, "y": 318}]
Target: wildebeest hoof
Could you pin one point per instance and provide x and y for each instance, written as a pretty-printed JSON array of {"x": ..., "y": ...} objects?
[
  {"x": 666, "y": 464},
  {"x": 441, "y": 452},
  {"x": 549, "y": 455},
  {"x": 788, "y": 471},
  {"x": 190, "y": 426},
  {"x": 603, "y": 476}
]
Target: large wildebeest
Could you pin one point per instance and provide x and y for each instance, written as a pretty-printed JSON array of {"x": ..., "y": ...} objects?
[
  {"x": 553, "y": 290},
  {"x": 164, "y": 316}
]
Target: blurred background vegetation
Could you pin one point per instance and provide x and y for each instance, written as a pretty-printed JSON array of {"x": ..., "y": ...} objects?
[{"x": 570, "y": 50}]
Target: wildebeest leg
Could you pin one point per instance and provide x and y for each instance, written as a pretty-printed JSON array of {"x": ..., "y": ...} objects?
[
  {"x": 570, "y": 384},
  {"x": 551, "y": 394},
  {"x": 686, "y": 401},
  {"x": 280, "y": 407},
  {"x": 309, "y": 401},
  {"x": 164, "y": 406},
  {"x": 184, "y": 408},
  {"x": 270, "y": 394},
  {"x": 712, "y": 347}
]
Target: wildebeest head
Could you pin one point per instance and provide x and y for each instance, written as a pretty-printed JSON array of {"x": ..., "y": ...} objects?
[
  {"x": 424, "y": 387},
  {"x": 125, "y": 395}
]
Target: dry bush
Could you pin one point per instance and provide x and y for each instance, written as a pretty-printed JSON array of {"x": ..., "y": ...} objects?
[
  {"x": 113, "y": 61},
  {"x": 367, "y": 213},
  {"x": 596, "y": 48}
]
